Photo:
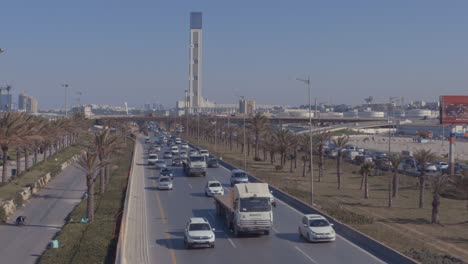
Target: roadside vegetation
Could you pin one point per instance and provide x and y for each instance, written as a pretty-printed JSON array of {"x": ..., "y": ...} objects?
[
  {"x": 424, "y": 217},
  {"x": 105, "y": 162}
]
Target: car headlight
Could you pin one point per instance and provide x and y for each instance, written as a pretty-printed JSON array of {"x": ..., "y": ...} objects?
[{"x": 210, "y": 236}]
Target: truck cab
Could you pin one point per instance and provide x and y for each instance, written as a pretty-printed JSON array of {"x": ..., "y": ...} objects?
[{"x": 195, "y": 165}]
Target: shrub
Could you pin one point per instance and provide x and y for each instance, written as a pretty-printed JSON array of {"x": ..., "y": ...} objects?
[
  {"x": 3, "y": 216},
  {"x": 278, "y": 167},
  {"x": 257, "y": 159},
  {"x": 346, "y": 216},
  {"x": 428, "y": 257}
]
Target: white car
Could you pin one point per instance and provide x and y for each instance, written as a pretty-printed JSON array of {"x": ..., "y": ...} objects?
[
  {"x": 165, "y": 183},
  {"x": 184, "y": 146},
  {"x": 442, "y": 165},
  {"x": 316, "y": 228},
  {"x": 214, "y": 188},
  {"x": 204, "y": 152},
  {"x": 152, "y": 158},
  {"x": 183, "y": 155},
  {"x": 174, "y": 150},
  {"x": 167, "y": 155},
  {"x": 197, "y": 232},
  {"x": 193, "y": 152},
  {"x": 160, "y": 164}
]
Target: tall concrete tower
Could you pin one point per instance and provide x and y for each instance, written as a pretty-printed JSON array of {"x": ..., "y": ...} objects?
[{"x": 195, "y": 63}]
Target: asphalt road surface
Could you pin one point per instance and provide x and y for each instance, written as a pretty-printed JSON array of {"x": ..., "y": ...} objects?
[
  {"x": 155, "y": 227},
  {"x": 45, "y": 214}
]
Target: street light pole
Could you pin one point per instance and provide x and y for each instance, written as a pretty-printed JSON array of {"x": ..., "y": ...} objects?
[
  {"x": 307, "y": 81},
  {"x": 198, "y": 128},
  {"x": 66, "y": 99}
]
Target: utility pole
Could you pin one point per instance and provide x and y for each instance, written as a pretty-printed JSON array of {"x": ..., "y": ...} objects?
[
  {"x": 186, "y": 114},
  {"x": 245, "y": 150},
  {"x": 307, "y": 81}
]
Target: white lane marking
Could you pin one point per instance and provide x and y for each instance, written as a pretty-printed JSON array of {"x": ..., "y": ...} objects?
[
  {"x": 189, "y": 185},
  {"x": 349, "y": 242},
  {"x": 274, "y": 229},
  {"x": 227, "y": 236},
  {"x": 305, "y": 255}
]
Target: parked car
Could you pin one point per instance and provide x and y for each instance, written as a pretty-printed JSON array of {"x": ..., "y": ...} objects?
[
  {"x": 214, "y": 188},
  {"x": 441, "y": 165},
  {"x": 165, "y": 183},
  {"x": 213, "y": 163},
  {"x": 198, "y": 232},
  {"x": 383, "y": 164},
  {"x": 238, "y": 176},
  {"x": 316, "y": 228}
]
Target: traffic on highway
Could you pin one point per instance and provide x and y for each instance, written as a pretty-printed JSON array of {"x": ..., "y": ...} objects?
[{"x": 216, "y": 215}]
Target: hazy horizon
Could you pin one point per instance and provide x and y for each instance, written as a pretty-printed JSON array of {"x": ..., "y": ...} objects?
[{"x": 113, "y": 51}]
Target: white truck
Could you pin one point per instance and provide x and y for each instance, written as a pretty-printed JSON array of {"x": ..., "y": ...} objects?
[
  {"x": 195, "y": 165},
  {"x": 247, "y": 208}
]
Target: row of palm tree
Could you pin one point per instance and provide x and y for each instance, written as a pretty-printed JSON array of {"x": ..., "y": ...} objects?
[
  {"x": 95, "y": 160},
  {"x": 31, "y": 134},
  {"x": 281, "y": 145}
]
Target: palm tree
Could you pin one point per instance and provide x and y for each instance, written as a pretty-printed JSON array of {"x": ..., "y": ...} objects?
[
  {"x": 105, "y": 145},
  {"x": 13, "y": 130},
  {"x": 422, "y": 157},
  {"x": 440, "y": 184},
  {"x": 320, "y": 141},
  {"x": 340, "y": 143},
  {"x": 259, "y": 126},
  {"x": 88, "y": 162},
  {"x": 304, "y": 148},
  {"x": 283, "y": 140},
  {"x": 395, "y": 159},
  {"x": 365, "y": 170}
]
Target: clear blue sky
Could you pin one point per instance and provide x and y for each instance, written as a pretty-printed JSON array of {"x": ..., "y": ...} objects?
[{"x": 137, "y": 51}]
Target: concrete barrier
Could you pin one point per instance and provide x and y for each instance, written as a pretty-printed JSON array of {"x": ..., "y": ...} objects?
[
  {"x": 120, "y": 250},
  {"x": 356, "y": 237}
]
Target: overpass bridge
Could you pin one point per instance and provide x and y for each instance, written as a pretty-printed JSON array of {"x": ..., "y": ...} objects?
[{"x": 329, "y": 121}]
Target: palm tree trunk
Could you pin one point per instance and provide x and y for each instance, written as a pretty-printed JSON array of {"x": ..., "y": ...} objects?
[
  {"x": 256, "y": 148},
  {"x": 45, "y": 153},
  {"x": 320, "y": 166},
  {"x": 390, "y": 201},
  {"x": 291, "y": 165},
  {"x": 338, "y": 171},
  {"x": 395, "y": 184},
  {"x": 366, "y": 186},
  {"x": 90, "y": 201},
  {"x": 35, "y": 157},
  {"x": 295, "y": 159},
  {"x": 5, "y": 163},
  {"x": 26, "y": 159},
  {"x": 421, "y": 190},
  {"x": 102, "y": 181},
  {"x": 362, "y": 182},
  {"x": 18, "y": 162},
  {"x": 107, "y": 174},
  {"x": 435, "y": 208},
  {"x": 304, "y": 167}
]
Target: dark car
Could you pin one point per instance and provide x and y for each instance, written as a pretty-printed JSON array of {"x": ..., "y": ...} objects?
[
  {"x": 167, "y": 172},
  {"x": 177, "y": 162},
  {"x": 213, "y": 163}
]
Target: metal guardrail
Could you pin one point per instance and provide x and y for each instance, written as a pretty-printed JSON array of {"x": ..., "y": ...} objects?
[
  {"x": 120, "y": 256},
  {"x": 356, "y": 237}
]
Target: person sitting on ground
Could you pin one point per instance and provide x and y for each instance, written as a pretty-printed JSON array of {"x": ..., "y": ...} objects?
[{"x": 20, "y": 220}]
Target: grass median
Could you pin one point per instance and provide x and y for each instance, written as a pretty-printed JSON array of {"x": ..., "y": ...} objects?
[
  {"x": 96, "y": 242},
  {"x": 403, "y": 227}
]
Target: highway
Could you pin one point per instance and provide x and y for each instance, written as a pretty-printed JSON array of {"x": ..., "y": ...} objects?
[
  {"x": 156, "y": 223},
  {"x": 45, "y": 214}
]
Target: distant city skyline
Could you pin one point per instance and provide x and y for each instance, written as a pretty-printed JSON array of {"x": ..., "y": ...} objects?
[{"x": 127, "y": 52}]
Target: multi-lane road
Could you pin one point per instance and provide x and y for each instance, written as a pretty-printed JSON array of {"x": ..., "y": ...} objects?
[{"x": 157, "y": 219}]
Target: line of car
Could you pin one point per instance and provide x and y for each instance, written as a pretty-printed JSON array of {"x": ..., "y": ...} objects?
[{"x": 198, "y": 231}]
